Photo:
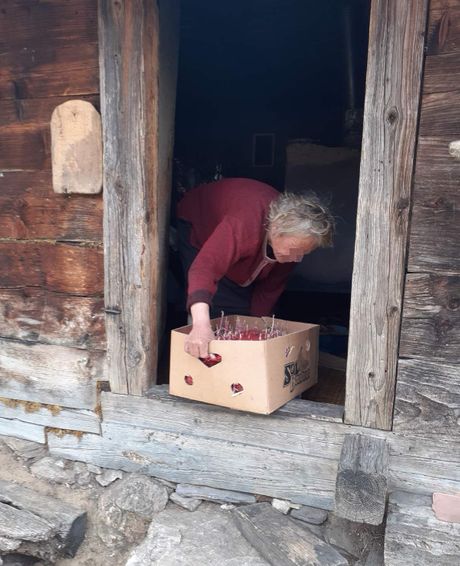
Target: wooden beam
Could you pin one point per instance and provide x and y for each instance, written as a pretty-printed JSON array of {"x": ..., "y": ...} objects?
[
  {"x": 287, "y": 454},
  {"x": 128, "y": 54},
  {"x": 428, "y": 399},
  {"x": 431, "y": 319},
  {"x": 361, "y": 486},
  {"x": 394, "y": 70}
]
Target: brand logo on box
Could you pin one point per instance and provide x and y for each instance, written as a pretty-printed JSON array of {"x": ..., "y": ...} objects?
[{"x": 297, "y": 372}]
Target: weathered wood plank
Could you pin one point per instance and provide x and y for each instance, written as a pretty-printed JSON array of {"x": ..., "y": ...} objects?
[
  {"x": 30, "y": 210},
  {"x": 50, "y": 71},
  {"x": 35, "y": 111},
  {"x": 54, "y": 375},
  {"x": 24, "y": 148},
  {"x": 281, "y": 541},
  {"x": 432, "y": 216},
  {"x": 413, "y": 535},
  {"x": 389, "y": 135},
  {"x": 282, "y": 431},
  {"x": 361, "y": 487},
  {"x": 442, "y": 73},
  {"x": 37, "y": 315},
  {"x": 76, "y": 148},
  {"x": 66, "y": 523},
  {"x": 436, "y": 172},
  {"x": 52, "y": 416},
  {"x": 443, "y": 28},
  {"x": 21, "y": 429},
  {"x": 56, "y": 267},
  {"x": 431, "y": 317},
  {"x": 295, "y": 451},
  {"x": 428, "y": 399},
  {"x": 128, "y": 35},
  {"x": 183, "y": 458},
  {"x": 29, "y": 24},
  {"x": 440, "y": 115}
]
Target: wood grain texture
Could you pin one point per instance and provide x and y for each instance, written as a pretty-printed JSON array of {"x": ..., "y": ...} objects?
[
  {"x": 50, "y": 416},
  {"x": 48, "y": 48},
  {"x": 128, "y": 34},
  {"x": 428, "y": 399},
  {"x": 361, "y": 487},
  {"x": 282, "y": 541},
  {"x": 281, "y": 455},
  {"x": 20, "y": 429},
  {"x": 30, "y": 210},
  {"x": 414, "y": 535},
  {"x": 436, "y": 172},
  {"x": 443, "y": 28},
  {"x": 53, "y": 375},
  {"x": 431, "y": 318},
  {"x": 440, "y": 115},
  {"x": 435, "y": 230},
  {"x": 37, "y": 315},
  {"x": 442, "y": 73},
  {"x": 62, "y": 268},
  {"x": 76, "y": 148},
  {"x": 391, "y": 109}
]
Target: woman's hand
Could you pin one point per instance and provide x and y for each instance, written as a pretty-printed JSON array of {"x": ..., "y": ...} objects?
[{"x": 197, "y": 342}]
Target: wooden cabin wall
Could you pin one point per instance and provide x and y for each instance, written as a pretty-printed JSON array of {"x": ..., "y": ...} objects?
[
  {"x": 428, "y": 385},
  {"x": 52, "y": 336}
]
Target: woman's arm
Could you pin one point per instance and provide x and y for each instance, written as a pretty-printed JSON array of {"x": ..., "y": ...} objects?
[{"x": 197, "y": 342}]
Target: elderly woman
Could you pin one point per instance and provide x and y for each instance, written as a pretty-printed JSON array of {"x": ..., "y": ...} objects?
[{"x": 239, "y": 239}]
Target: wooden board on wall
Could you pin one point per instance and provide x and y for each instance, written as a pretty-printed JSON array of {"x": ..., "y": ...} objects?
[
  {"x": 62, "y": 268},
  {"x": 428, "y": 399},
  {"x": 48, "y": 48},
  {"x": 53, "y": 375},
  {"x": 444, "y": 27},
  {"x": 29, "y": 210},
  {"x": 431, "y": 318},
  {"x": 37, "y": 315},
  {"x": 393, "y": 86}
]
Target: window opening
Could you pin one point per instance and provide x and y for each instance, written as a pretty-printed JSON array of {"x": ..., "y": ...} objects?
[{"x": 273, "y": 90}]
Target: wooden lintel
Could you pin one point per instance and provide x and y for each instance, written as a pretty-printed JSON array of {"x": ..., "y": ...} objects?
[
  {"x": 361, "y": 486},
  {"x": 393, "y": 84}
]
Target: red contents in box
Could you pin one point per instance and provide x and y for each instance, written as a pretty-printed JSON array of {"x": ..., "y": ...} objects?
[
  {"x": 239, "y": 330},
  {"x": 188, "y": 380},
  {"x": 211, "y": 360}
]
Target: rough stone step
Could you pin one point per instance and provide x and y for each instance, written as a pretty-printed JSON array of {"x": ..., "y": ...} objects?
[
  {"x": 281, "y": 541},
  {"x": 38, "y": 525}
]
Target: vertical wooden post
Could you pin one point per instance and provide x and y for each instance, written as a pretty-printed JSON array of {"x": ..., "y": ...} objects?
[
  {"x": 128, "y": 43},
  {"x": 393, "y": 84}
]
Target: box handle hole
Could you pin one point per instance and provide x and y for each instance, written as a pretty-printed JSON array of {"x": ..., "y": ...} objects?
[{"x": 211, "y": 360}]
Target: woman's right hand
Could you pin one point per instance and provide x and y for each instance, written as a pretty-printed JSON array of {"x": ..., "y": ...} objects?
[{"x": 197, "y": 342}]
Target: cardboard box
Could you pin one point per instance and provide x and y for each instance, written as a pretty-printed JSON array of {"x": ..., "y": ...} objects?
[{"x": 255, "y": 376}]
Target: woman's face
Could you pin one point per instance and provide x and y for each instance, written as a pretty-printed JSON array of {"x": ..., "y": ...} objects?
[{"x": 289, "y": 247}]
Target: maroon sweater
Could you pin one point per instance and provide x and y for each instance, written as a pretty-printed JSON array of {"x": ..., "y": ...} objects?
[{"x": 228, "y": 219}]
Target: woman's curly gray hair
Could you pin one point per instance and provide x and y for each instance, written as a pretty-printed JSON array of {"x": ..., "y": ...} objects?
[{"x": 301, "y": 214}]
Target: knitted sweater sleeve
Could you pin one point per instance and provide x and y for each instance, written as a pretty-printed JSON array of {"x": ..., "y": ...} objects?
[{"x": 221, "y": 250}]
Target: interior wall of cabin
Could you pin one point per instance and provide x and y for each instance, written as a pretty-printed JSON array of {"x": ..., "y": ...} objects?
[
  {"x": 295, "y": 71},
  {"x": 428, "y": 389},
  {"x": 52, "y": 336}
]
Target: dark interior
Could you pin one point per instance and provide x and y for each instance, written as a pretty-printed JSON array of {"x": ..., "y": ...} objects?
[{"x": 274, "y": 90}]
